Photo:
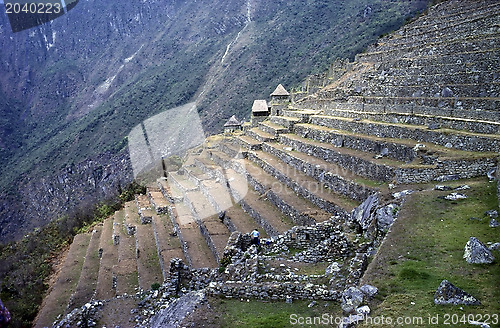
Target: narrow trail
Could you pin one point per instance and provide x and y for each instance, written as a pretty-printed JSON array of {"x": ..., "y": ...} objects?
[{"x": 248, "y": 21}]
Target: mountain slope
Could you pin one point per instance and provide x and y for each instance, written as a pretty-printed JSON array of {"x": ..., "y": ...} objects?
[{"x": 71, "y": 90}]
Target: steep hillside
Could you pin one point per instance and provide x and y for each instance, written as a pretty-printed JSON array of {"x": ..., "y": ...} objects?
[{"x": 71, "y": 90}]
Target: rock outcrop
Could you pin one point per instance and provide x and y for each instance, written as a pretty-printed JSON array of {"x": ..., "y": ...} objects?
[
  {"x": 477, "y": 253},
  {"x": 447, "y": 294}
]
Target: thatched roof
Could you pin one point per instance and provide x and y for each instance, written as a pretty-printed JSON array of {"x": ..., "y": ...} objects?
[
  {"x": 280, "y": 91},
  {"x": 233, "y": 121},
  {"x": 260, "y": 106}
]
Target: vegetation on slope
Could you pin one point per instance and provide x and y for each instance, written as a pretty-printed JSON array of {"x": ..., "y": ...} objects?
[{"x": 26, "y": 265}]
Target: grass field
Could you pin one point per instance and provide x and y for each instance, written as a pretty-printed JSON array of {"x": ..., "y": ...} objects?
[{"x": 425, "y": 246}]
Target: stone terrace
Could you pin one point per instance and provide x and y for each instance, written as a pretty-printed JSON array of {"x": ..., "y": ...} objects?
[{"x": 420, "y": 106}]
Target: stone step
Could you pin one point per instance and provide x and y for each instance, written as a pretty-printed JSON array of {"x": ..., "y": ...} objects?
[
  {"x": 272, "y": 128},
  {"x": 181, "y": 181},
  {"x": 109, "y": 259},
  {"x": 213, "y": 230},
  {"x": 445, "y": 137},
  {"x": 455, "y": 163},
  {"x": 257, "y": 206},
  {"x": 158, "y": 201},
  {"x": 302, "y": 114},
  {"x": 438, "y": 48},
  {"x": 481, "y": 108},
  {"x": 172, "y": 193},
  {"x": 299, "y": 210},
  {"x": 452, "y": 11},
  {"x": 480, "y": 26},
  {"x": 473, "y": 90},
  {"x": 317, "y": 192},
  {"x": 285, "y": 121},
  {"x": 220, "y": 198},
  {"x": 195, "y": 174},
  {"x": 350, "y": 162},
  {"x": 417, "y": 116},
  {"x": 196, "y": 251},
  {"x": 125, "y": 227},
  {"x": 167, "y": 242},
  {"x": 435, "y": 25},
  {"x": 417, "y": 76},
  {"x": 56, "y": 301},
  {"x": 248, "y": 143},
  {"x": 230, "y": 149},
  {"x": 395, "y": 56},
  {"x": 402, "y": 150},
  {"x": 430, "y": 66},
  {"x": 334, "y": 184},
  {"x": 260, "y": 135},
  {"x": 217, "y": 195},
  {"x": 148, "y": 263},
  {"x": 426, "y": 106},
  {"x": 88, "y": 279}
]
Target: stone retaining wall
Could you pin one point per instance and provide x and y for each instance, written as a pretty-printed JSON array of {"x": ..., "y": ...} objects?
[
  {"x": 287, "y": 209},
  {"x": 270, "y": 230},
  {"x": 273, "y": 291},
  {"x": 304, "y": 191},
  {"x": 457, "y": 141},
  {"x": 399, "y": 152},
  {"x": 172, "y": 213},
  {"x": 203, "y": 229},
  {"x": 379, "y": 114},
  {"x": 359, "y": 166},
  {"x": 334, "y": 180}
]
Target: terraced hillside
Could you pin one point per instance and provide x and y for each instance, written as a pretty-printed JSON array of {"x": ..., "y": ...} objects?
[{"x": 420, "y": 106}]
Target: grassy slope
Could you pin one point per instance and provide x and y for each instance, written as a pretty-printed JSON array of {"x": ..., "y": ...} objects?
[{"x": 426, "y": 245}]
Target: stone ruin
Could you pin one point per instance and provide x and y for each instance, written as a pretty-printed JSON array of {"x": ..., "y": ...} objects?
[{"x": 321, "y": 172}]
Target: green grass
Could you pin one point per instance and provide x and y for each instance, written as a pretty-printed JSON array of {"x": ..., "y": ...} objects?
[
  {"x": 426, "y": 246},
  {"x": 260, "y": 314}
]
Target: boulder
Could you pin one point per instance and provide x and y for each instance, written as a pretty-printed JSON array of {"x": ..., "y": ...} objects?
[
  {"x": 494, "y": 247},
  {"x": 351, "y": 299},
  {"x": 491, "y": 174},
  {"x": 478, "y": 323},
  {"x": 402, "y": 193},
  {"x": 442, "y": 188},
  {"x": 369, "y": 290},
  {"x": 477, "y": 253},
  {"x": 361, "y": 214},
  {"x": 385, "y": 217},
  {"x": 494, "y": 223},
  {"x": 455, "y": 196},
  {"x": 447, "y": 293},
  {"x": 332, "y": 268},
  {"x": 492, "y": 214},
  {"x": 448, "y": 177},
  {"x": 365, "y": 309},
  {"x": 351, "y": 321},
  {"x": 446, "y": 92}
]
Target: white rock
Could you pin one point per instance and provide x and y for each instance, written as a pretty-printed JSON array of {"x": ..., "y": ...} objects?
[{"x": 365, "y": 309}]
